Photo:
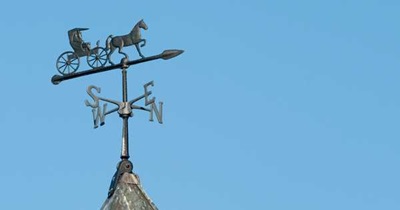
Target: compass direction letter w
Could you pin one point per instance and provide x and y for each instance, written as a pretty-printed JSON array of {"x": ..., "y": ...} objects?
[{"x": 99, "y": 115}]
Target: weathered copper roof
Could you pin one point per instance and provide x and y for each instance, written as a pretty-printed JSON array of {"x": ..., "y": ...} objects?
[{"x": 129, "y": 195}]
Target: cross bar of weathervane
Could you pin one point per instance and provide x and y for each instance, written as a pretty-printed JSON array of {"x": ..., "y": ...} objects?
[{"x": 167, "y": 54}]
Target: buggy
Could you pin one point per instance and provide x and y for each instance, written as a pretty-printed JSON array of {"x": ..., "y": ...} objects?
[{"x": 68, "y": 62}]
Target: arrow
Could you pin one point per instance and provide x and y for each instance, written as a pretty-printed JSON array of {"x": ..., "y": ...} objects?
[{"x": 167, "y": 54}]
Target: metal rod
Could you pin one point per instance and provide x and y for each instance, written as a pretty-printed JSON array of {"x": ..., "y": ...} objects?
[
  {"x": 166, "y": 54},
  {"x": 125, "y": 142},
  {"x": 125, "y": 116},
  {"x": 56, "y": 79},
  {"x": 124, "y": 86}
]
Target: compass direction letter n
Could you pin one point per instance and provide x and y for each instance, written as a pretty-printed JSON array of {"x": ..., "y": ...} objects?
[
  {"x": 98, "y": 114},
  {"x": 158, "y": 112},
  {"x": 151, "y": 102}
]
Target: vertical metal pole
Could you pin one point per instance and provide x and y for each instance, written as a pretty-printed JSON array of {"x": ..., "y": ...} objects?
[
  {"x": 125, "y": 144},
  {"x": 125, "y": 117}
]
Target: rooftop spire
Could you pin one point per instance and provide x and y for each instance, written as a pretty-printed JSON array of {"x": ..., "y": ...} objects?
[{"x": 128, "y": 195}]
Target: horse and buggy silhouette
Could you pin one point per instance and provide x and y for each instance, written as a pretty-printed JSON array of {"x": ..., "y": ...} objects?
[{"x": 68, "y": 62}]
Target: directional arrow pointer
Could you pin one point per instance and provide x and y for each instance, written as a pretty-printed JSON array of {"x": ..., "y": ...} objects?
[{"x": 167, "y": 54}]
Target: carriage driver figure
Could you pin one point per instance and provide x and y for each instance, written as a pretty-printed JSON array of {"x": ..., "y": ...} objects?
[{"x": 80, "y": 47}]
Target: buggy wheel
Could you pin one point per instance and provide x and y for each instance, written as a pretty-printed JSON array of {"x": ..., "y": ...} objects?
[
  {"x": 97, "y": 57},
  {"x": 67, "y": 63}
]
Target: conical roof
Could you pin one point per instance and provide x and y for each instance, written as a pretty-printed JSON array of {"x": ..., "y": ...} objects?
[{"x": 128, "y": 195}]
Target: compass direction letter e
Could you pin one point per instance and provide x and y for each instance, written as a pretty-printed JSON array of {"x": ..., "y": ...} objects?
[
  {"x": 98, "y": 114},
  {"x": 152, "y": 103}
]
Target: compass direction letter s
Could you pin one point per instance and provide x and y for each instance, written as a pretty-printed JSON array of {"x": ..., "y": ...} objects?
[
  {"x": 152, "y": 103},
  {"x": 98, "y": 114}
]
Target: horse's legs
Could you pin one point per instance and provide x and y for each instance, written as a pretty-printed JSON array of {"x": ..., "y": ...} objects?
[
  {"x": 109, "y": 55},
  {"x": 120, "y": 51},
  {"x": 144, "y": 42},
  {"x": 138, "y": 49}
]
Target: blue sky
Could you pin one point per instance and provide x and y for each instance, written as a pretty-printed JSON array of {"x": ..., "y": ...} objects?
[{"x": 274, "y": 105}]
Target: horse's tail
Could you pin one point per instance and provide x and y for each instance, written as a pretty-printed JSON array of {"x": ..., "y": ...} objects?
[{"x": 108, "y": 40}]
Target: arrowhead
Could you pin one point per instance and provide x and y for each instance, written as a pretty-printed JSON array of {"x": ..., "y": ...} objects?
[{"x": 168, "y": 54}]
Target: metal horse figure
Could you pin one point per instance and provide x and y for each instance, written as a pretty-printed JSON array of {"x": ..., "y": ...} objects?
[{"x": 133, "y": 38}]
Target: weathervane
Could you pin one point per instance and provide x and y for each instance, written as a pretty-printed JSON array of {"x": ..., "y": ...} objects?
[{"x": 97, "y": 58}]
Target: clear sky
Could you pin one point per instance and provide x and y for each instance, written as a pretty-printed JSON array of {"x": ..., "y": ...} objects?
[{"x": 279, "y": 105}]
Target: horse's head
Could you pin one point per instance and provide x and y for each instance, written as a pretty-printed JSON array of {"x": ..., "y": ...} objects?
[{"x": 142, "y": 24}]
